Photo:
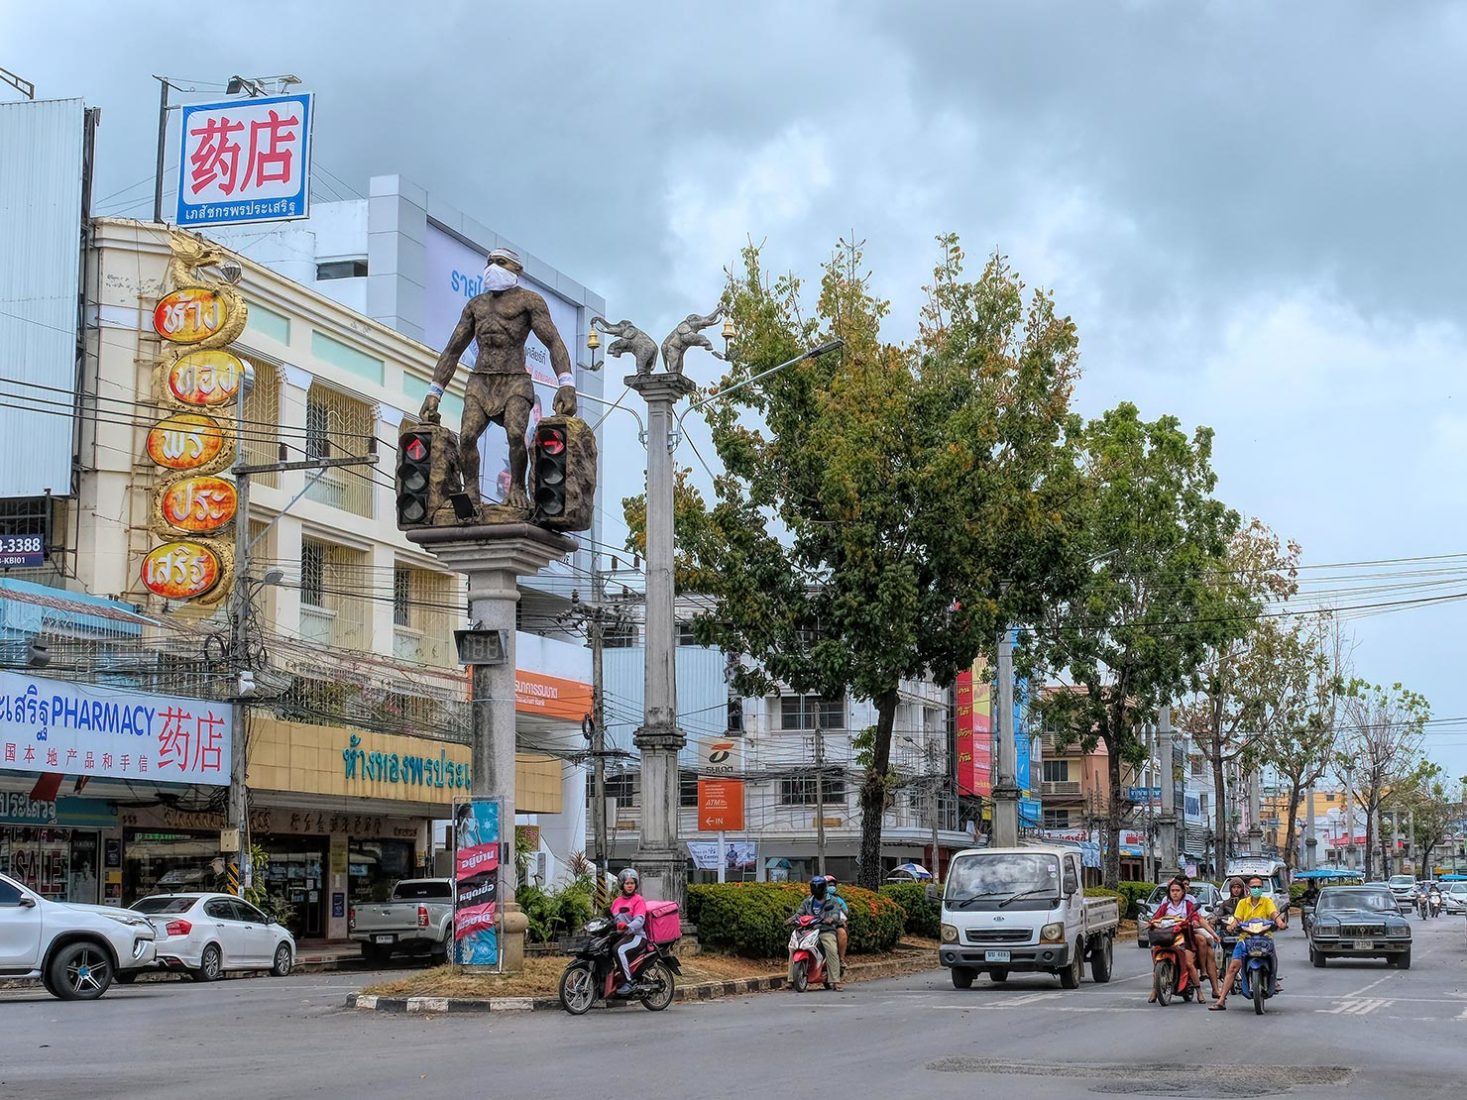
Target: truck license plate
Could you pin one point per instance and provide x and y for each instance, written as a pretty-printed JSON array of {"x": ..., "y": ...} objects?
[
  {"x": 1362, "y": 945},
  {"x": 995, "y": 956},
  {"x": 383, "y": 939}
]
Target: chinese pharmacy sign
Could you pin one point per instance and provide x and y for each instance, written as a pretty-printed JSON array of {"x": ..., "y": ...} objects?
[
  {"x": 476, "y": 879},
  {"x": 245, "y": 160},
  {"x": 95, "y": 729}
]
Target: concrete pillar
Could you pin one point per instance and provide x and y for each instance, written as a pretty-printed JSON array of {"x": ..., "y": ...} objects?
[
  {"x": 660, "y": 858},
  {"x": 494, "y": 558}
]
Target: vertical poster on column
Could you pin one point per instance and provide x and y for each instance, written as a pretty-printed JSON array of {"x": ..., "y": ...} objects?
[
  {"x": 982, "y": 768},
  {"x": 476, "y": 877}
]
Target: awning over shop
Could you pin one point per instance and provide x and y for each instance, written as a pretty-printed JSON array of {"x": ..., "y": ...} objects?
[{"x": 28, "y": 609}]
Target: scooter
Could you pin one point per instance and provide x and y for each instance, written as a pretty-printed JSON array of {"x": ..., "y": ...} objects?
[
  {"x": 1227, "y": 940},
  {"x": 1259, "y": 963},
  {"x": 1169, "y": 976},
  {"x": 594, "y": 973},
  {"x": 807, "y": 960},
  {"x": 1434, "y": 900}
]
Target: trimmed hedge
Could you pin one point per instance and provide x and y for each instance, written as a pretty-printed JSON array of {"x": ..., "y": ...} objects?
[
  {"x": 748, "y": 918},
  {"x": 923, "y": 914}
]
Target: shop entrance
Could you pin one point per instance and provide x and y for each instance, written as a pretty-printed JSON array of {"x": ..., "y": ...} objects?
[
  {"x": 58, "y": 864},
  {"x": 296, "y": 874}
]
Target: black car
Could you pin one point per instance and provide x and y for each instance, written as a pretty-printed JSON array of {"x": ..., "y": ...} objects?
[{"x": 1359, "y": 922}]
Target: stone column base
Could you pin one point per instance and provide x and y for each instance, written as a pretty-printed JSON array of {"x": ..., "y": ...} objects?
[{"x": 512, "y": 927}]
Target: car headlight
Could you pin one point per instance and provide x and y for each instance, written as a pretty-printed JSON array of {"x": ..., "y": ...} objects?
[
  {"x": 127, "y": 919},
  {"x": 949, "y": 933},
  {"x": 1052, "y": 933},
  {"x": 1326, "y": 931}
]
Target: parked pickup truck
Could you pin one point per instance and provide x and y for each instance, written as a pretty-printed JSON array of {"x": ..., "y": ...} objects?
[
  {"x": 76, "y": 950},
  {"x": 417, "y": 920},
  {"x": 1024, "y": 910}
]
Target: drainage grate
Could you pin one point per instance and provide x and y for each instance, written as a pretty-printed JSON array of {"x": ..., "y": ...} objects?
[{"x": 1202, "y": 1082}]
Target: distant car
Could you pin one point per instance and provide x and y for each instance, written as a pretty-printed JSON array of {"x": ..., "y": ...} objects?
[
  {"x": 1454, "y": 897},
  {"x": 1359, "y": 922},
  {"x": 1403, "y": 888},
  {"x": 207, "y": 935},
  {"x": 1204, "y": 893},
  {"x": 76, "y": 950}
]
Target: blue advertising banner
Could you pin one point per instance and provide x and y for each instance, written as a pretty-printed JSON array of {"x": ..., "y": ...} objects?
[
  {"x": 245, "y": 160},
  {"x": 476, "y": 879}
]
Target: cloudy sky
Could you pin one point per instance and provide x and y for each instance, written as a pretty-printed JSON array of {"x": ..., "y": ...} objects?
[{"x": 1253, "y": 211}]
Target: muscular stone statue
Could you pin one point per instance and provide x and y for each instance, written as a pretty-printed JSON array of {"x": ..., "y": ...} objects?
[
  {"x": 686, "y": 336},
  {"x": 633, "y": 341},
  {"x": 499, "y": 388}
]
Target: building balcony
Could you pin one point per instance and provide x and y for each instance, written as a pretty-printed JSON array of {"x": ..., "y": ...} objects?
[{"x": 1067, "y": 789}]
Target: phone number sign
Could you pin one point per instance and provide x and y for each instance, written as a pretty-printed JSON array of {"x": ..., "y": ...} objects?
[{"x": 22, "y": 551}]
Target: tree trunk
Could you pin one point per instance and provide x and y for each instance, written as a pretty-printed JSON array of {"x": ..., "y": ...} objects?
[
  {"x": 1112, "y": 861},
  {"x": 1290, "y": 834},
  {"x": 873, "y": 792},
  {"x": 1370, "y": 844}
]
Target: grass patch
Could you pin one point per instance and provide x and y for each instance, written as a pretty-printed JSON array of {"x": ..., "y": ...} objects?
[{"x": 541, "y": 978}]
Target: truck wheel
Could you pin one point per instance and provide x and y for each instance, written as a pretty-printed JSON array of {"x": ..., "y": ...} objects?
[
  {"x": 1101, "y": 960},
  {"x": 1403, "y": 960},
  {"x": 962, "y": 977},
  {"x": 1070, "y": 975},
  {"x": 1317, "y": 958},
  {"x": 80, "y": 972}
]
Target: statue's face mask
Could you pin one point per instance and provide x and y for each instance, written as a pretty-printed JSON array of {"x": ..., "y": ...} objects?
[{"x": 498, "y": 277}]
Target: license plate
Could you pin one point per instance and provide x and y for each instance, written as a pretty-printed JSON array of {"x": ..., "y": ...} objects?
[
  {"x": 383, "y": 939},
  {"x": 1362, "y": 945},
  {"x": 995, "y": 956}
]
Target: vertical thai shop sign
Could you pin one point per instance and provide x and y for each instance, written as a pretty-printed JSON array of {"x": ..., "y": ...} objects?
[{"x": 476, "y": 880}]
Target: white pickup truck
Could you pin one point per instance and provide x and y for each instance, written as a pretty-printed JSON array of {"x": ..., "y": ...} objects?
[
  {"x": 1024, "y": 910},
  {"x": 416, "y": 920},
  {"x": 76, "y": 950}
]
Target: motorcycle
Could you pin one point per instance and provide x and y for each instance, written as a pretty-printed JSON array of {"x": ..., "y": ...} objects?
[
  {"x": 1169, "y": 976},
  {"x": 1227, "y": 940},
  {"x": 1434, "y": 900},
  {"x": 807, "y": 960},
  {"x": 1259, "y": 963},
  {"x": 594, "y": 974}
]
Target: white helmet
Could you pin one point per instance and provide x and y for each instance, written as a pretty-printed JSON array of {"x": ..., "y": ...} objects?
[{"x": 627, "y": 874}]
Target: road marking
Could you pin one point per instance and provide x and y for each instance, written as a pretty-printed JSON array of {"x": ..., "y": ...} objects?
[
  {"x": 1462, "y": 1015},
  {"x": 1368, "y": 988},
  {"x": 1357, "y": 1006},
  {"x": 1029, "y": 999}
]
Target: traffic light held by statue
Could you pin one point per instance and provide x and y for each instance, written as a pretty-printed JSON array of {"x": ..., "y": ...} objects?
[
  {"x": 414, "y": 478},
  {"x": 563, "y": 474}
]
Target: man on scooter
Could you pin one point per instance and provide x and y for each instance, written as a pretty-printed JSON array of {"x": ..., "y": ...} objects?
[
  {"x": 824, "y": 909},
  {"x": 629, "y": 911},
  {"x": 1258, "y": 905}
]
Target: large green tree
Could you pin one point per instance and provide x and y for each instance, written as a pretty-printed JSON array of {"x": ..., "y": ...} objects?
[
  {"x": 1146, "y": 613},
  {"x": 881, "y": 511}
]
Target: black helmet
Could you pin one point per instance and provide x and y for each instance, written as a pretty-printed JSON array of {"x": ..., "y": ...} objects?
[{"x": 817, "y": 886}]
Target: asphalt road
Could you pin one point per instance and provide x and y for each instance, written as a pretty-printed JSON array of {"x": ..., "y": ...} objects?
[{"x": 1354, "y": 1029}]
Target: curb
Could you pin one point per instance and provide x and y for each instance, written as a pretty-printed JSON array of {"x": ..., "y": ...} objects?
[{"x": 702, "y": 991}]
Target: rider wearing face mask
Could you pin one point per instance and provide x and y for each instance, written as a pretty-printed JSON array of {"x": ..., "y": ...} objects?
[
  {"x": 827, "y": 912},
  {"x": 1258, "y": 905}
]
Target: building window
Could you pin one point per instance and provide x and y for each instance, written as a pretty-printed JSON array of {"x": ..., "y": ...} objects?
[
  {"x": 809, "y": 712},
  {"x": 313, "y": 562},
  {"x": 801, "y": 791},
  {"x": 340, "y": 269},
  {"x": 1056, "y": 771},
  {"x": 621, "y": 634},
  {"x": 622, "y": 787},
  {"x": 27, "y": 521},
  {"x": 687, "y": 788},
  {"x": 1056, "y": 819},
  {"x": 685, "y": 634},
  {"x": 402, "y": 594},
  {"x": 338, "y": 425},
  {"x": 261, "y": 441}
]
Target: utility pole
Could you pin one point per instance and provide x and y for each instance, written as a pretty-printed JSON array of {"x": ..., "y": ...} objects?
[
  {"x": 1255, "y": 812},
  {"x": 1311, "y": 842},
  {"x": 1167, "y": 822},
  {"x": 1350, "y": 815},
  {"x": 598, "y": 726},
  {"x": 1006, "y": 789},
  {"x": 935, "y": 779},
  {"x": 819, "y": 801}
]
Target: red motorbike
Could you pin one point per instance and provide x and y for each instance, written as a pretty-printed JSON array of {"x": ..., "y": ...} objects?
[
  {"x": 807, "y": 960},
  {"x": 1169, "y": 975}
]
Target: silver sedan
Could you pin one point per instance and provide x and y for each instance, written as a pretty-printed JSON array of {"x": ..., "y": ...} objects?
[{"x": 207, "y": 935}]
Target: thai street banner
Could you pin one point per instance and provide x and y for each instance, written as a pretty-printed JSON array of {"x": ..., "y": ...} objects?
[{"x": 476, "y": 880}]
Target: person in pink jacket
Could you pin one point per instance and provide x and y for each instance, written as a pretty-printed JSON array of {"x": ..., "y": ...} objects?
[{"x": 629, "y": 911}]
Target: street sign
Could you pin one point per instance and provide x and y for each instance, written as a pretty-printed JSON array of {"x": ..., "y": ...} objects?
[
  {"x": 22, "y": 551},
  {"x": 245, "y": 160}
]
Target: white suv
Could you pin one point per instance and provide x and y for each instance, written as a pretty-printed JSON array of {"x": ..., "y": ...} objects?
[{"x": 76, "y": 950}]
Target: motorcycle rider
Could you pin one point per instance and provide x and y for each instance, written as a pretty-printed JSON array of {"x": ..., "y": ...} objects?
[
  {"x": 1236, "y": 893},
  {"x": 842, "y": 932},
  {"x": 1258, "y": 905},
  {"x": 629, "y": 911},
  {"x": 823, "y": 908},
  {"x": 1205, "y": 935},
  {"x": 1434, "y": 897},
  {"x": 1179, "y": 903}
]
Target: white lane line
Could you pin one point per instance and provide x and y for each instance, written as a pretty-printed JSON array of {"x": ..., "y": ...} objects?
[
  {"x": 1462, "y": 1015},
  {"x": 1359, "y": 1006},
  {"x": 1368, "y": 988}
]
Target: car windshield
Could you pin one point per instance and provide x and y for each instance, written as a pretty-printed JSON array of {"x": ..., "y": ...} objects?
[
  {"x": 1375, "y": 900},
  {"x": 1002, "y": 875},
  {"x": 423, "y": 890},
  {"x": 1401, "y": 880},
  {"x": 161, "y": 906}
]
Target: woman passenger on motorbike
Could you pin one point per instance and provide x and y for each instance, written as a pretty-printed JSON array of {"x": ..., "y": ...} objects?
[
  {"x": 1178, "y": 904},
  {"x": 629, "y": 911}
]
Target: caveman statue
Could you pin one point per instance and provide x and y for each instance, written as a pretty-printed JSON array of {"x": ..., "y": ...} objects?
[
  {"x": 499, "y": 388},
  {"x": 686, "y": 336}
]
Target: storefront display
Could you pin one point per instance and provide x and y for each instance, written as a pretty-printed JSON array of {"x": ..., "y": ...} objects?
[
  {"x": 169, "y": 861},
  {"x": 295, "y": 873},
  {"x": 373, "y": 866},
  {"x": 59, "y": 864}
]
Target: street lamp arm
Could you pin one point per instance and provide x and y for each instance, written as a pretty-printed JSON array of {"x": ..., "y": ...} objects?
[{"x": 832, "y": 345}]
